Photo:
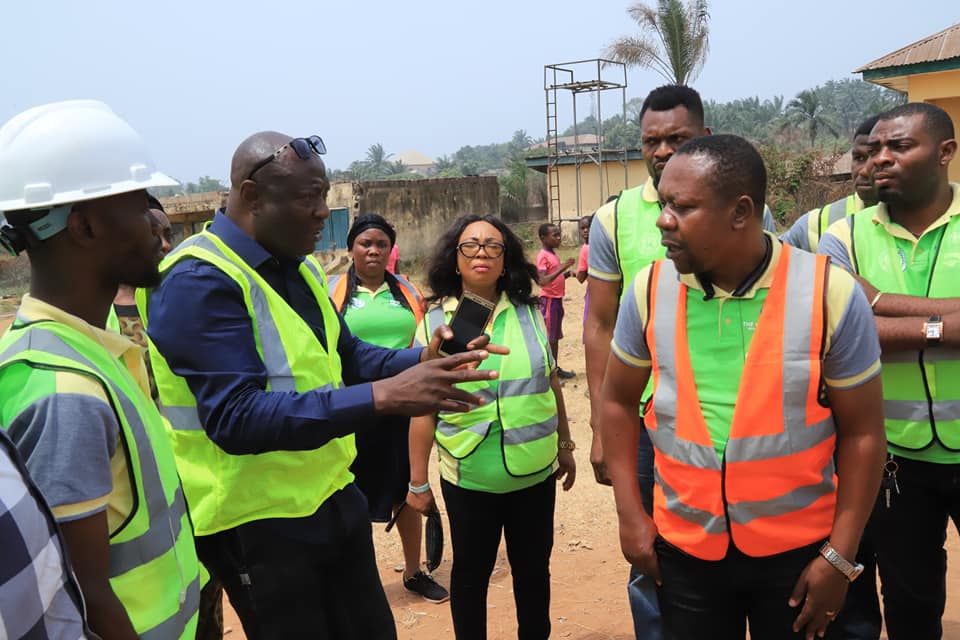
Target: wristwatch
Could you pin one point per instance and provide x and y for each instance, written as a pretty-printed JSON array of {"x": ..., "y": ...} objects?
[
  {"x": 569, "y": 445},
  {"x": 933, "y": 330},
  {"x": 849, "y": 570}
]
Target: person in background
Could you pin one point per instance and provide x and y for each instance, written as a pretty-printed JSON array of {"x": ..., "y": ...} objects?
[
  {"x": 500, "y": 462},
  {"x": 806, "y": 232},
  {"x": 582, "y": 261},
  {"x": 124, "y": 317},
  {"x": 393, "y": 261},
  {"x": 384, "y": 309},
  {"x": 74, "y": 396},
  {"x": 39, "y": 595},
  {"x": 905, "y": 252},
  {"x": 265, "y": 386},
  {"x": 766, "y": 412},
  {"x": 552, "y": 281}
]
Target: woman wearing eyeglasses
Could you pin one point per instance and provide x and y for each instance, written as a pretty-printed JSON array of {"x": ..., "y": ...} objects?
[
  {"x": 384, "y": 309},
  {"x": 500, "y": 461}
]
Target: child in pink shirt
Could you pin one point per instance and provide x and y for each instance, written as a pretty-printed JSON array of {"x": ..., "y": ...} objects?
[{"x": 553, "y": 275}]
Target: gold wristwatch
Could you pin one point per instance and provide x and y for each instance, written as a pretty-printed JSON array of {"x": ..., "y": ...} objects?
[
  {"x": 933, "y": 330},
  {"x": 569, "y": 445}
]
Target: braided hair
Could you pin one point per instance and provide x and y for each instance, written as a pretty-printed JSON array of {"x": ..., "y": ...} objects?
[{"x": 361, "y": 224}]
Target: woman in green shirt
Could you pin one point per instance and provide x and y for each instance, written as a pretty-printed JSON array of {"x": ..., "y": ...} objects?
[
  {"x": 499, "y": 462},
  {"x": 384, "y": 309}
]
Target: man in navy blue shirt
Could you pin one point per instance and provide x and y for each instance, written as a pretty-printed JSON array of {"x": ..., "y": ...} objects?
[{"x": 315, "y": 574}]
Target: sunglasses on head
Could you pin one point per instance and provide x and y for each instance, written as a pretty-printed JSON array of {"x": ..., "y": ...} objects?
[{"x": 303, "y": 147}]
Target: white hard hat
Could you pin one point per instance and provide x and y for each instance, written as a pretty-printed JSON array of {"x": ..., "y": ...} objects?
[{"x": 68, "y": 152}]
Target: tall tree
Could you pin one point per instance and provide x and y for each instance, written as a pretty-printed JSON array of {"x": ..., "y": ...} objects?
[
  {"x": 674, "y": 39},
  {"x": 378, "y": 160},
  {"x": 806, "y": 111}
]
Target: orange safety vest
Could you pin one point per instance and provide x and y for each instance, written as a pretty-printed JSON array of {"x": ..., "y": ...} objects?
[
  {"x": 410, "y": 292},
  {"x": 775, "y": 489}
]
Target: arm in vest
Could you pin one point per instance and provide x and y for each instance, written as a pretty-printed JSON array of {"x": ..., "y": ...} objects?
[
  {"x": 620, "y": 432},
  {"x": 226, "y": 373},
  {"x": 89, "y": 546},
  {"x": 598, "y": 332},
  {"x": 568, "y": 466},
  {"x": 861, "y": 451},
  {"x": 421, "y": 442}
]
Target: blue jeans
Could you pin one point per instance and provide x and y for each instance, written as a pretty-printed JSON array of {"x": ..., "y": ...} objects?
[{"x": 642, "y": 590}]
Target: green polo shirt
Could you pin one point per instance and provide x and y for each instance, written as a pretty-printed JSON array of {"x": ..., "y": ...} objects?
[{"x": 378, "y": 318}]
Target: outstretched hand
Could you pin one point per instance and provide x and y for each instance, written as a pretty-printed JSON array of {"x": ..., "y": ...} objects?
[
  {"x": 428, "y": 387},
  {"x": 444, "y": 332}
]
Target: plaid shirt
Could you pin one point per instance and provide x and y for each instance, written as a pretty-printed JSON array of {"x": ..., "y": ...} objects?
[{"x": 39, "y": 595}]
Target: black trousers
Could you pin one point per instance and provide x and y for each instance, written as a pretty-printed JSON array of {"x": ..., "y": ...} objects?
[
  {"x": 476, "y": 520},
  {"x": 909, "y": 538},
  {"x": 703, "y": 599},
  {"x": 287, "y": 588}
]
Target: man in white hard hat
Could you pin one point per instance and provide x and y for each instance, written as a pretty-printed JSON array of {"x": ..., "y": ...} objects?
[{"x": 74, "y": 396}]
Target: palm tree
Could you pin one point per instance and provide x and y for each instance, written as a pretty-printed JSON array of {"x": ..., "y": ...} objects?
[
  {"x": 806, "y": 111},
  {"x": 378, "y": 160},
  {"x": 673, "y": 40}
]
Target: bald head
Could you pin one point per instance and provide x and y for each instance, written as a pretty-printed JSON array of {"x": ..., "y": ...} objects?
[
  {"x": 253, "y": 150},
  {"x": 283, "y": 207}
]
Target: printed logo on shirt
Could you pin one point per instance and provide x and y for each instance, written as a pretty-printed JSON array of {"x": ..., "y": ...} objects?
[
  {"x": 903, "y": 259},
  {"x": 395, "y": 303},
  {"x": 357, "y": 303}
]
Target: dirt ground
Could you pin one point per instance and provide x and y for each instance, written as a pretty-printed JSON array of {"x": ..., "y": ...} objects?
[{"x": 589, "y": 573}]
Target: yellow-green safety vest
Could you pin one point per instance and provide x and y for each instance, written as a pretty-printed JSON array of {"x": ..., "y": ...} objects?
[
  {"x": 636, "y": 234},
  {"x": 921, "y": 389},
  {"x": 819, "y": 220},
  {"x": 521, "y": 399},
  {"x": 154, "y": 569},
  {"x": 638, "y": 241},
  {"x": 225, "y": 490}
]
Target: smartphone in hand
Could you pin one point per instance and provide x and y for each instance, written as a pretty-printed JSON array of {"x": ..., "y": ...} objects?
[{"x": 468, "y": 322}]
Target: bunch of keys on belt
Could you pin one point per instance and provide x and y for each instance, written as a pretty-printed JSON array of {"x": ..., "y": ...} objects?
[{"x": 889, "y": 482}]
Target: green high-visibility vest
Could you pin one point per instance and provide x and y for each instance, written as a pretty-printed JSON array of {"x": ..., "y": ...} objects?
[
  {"x": 154, "y": 569},
  {"x": 637, "y": 236},
  {"x": 818, "y": 221},
  {"x": 921, "y": 389},
  {"x": 224, "y": 490},
  {"x": 521, "y": 399},
  {"x": 638, "y": 241}
]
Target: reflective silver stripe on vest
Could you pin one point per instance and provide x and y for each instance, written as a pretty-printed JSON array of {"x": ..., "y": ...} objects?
[
  {"x": 152, "y": 544},
  {"x": 316, "y": 272},
  {"x": 919, "y": 410},
  {"x": 128, "y": 555},
  {"x": 665, "y": 394},
  {"x": 449, "y": 429},
  {"x": 837, "y": 211},
  {"x": 182, "y": 418},
  {"x": 530, "y": 432},
  {"x": 174, "y": 626},
  {"x": 408, "y": 287},
  {"x": 538, "y": 366},
  {"x": 797, "y": 338},
  {"x": 279, "y": 375},
  {"x": 704, "y": 519},
  {"x": 800, "y": 498}
]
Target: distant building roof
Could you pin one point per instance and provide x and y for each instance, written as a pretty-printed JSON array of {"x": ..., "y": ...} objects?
[
  {"x": 585, "y": 139},
  {"x": 414, "y": 158},
  {"x": 540, "y": 163},
  {"x": 939, "y": 52}
]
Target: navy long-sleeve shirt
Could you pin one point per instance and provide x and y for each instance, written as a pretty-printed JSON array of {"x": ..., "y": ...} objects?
[{"x": 199, "y": 322}]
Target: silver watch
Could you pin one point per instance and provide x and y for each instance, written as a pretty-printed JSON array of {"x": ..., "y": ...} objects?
[{"x": 849, "y": 570}]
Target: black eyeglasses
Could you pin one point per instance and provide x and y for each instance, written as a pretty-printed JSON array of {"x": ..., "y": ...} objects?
[
  {"x": 304, "y": 148},
  {"x": 471, "y": 249}
]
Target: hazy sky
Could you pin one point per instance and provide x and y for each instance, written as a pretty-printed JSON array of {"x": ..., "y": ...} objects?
[{"x": 195, "y": 78}]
